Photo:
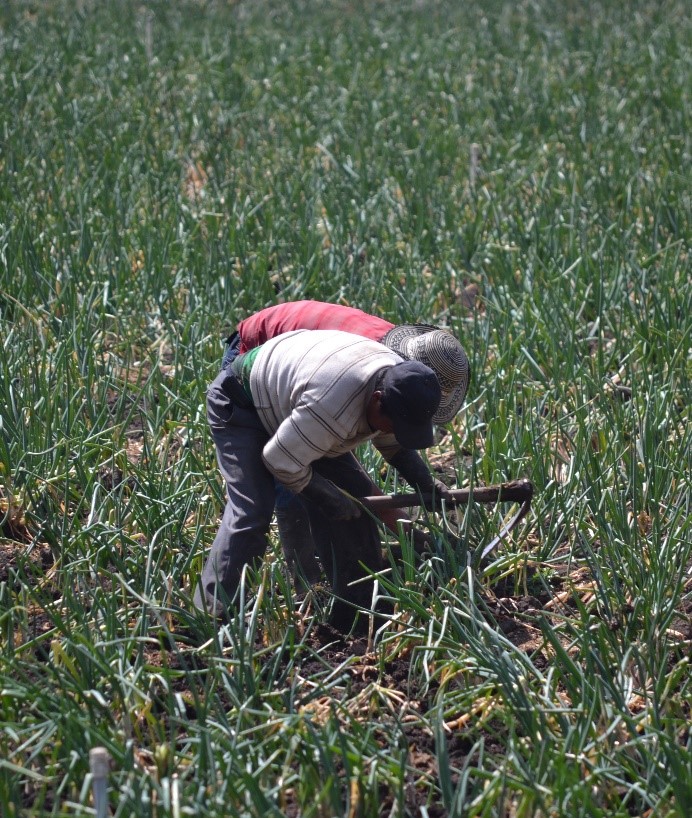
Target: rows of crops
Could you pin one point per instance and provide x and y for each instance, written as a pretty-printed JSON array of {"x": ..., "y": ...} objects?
[{"x": 518, "y": 172}]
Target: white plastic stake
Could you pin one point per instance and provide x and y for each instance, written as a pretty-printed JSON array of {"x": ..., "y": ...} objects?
[{"x": 99, "y": 765}]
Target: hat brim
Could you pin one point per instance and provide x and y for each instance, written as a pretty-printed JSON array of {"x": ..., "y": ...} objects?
[
  {"x": 400, "y": 333},
  {"x": 450, "y": 404},
  {"x": 413, "y": 436},
  {"x": 451, "y": 401}
]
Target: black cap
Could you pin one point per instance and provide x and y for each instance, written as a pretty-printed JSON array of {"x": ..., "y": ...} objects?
[{"x": 410, "y": 397}]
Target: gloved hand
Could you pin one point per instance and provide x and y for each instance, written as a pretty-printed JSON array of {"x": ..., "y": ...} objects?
[
  {"x": 331, "y": 500},
  {"x": 421, "y": 540},
  {"x": 440, "y": 492},
  {"x": 412, "y": 468}
]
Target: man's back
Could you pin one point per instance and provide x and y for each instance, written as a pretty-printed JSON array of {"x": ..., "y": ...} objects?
[
  {"x": 293, "y": 315},
  {"x": 311, "y": 389}
]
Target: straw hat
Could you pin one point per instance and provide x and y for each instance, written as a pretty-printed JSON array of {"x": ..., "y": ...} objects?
[{"x": 438, "y": 349}]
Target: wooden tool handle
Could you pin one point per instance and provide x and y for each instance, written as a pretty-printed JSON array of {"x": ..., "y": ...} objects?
[{"x": 513, "y": 491}]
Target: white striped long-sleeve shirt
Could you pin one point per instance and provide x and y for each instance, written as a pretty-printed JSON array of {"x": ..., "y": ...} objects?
[{"x": 311, "y": 390}]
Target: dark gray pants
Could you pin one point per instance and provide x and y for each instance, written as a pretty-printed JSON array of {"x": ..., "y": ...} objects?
[
  {"x": 345, "y": 547},
  {"x": 240, "y": 437}
]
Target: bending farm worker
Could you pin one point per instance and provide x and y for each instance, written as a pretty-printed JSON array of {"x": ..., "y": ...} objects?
[
  {"x": 292, "y": 410},
  {"x": 436, "y": 348}
]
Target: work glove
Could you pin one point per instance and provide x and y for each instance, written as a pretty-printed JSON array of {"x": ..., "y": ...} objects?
[
  {"x": 421, "y": 540},
  {"x": 412, "y": 468},
  {"x": 331, "y": 500}
]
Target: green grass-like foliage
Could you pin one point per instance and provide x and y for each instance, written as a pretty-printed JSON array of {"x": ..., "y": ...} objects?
[{"x": 518, "y": 172}]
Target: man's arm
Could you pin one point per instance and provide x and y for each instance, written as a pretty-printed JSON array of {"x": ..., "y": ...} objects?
[
  {"x": 413, "y": 469},
  {"x": 308, "y": 434},
  {"x": 333, "y": 502}
]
